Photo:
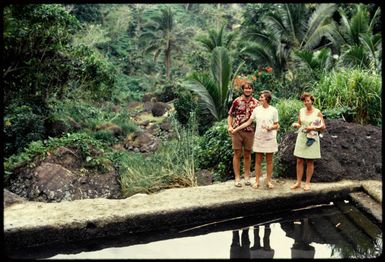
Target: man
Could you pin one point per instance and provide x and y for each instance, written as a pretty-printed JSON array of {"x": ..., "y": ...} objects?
[{"x": 240, "y": 112}]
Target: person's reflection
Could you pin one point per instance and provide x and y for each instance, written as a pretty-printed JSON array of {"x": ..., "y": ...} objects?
[
  {"x": 240, "y": 249},
  {"x": 265, "y": 251},
  {"x": 302, "y": 239}
]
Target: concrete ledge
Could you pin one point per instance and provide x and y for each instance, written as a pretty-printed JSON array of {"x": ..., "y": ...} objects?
[{"x": 31, "y": 224}]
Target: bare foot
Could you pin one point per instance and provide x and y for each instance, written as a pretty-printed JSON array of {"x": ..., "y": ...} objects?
[
  {"x": 256, "y": 185},
  {"x": 295, "y": 186},
  {"x": 269, "y": 185},
  {"x": 306, "y": 187}
]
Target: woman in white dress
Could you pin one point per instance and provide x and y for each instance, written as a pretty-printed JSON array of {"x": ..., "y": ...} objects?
[{"x": 265, "y": 136}]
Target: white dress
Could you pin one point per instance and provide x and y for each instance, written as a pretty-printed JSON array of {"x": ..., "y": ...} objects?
[{"x": 265, "y": 141}]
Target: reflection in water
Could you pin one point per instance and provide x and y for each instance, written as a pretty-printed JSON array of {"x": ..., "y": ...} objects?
[
  {"x": 301, "y": 247},
  {"x": 265, "y": 251},
  {"x": 347, "y": 232},
  {"x": 338, "y": 230},
  {"x": 240, "y": 249}
]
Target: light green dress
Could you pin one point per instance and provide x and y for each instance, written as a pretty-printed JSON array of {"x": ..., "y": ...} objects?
[{"x": 301, "y": 149}]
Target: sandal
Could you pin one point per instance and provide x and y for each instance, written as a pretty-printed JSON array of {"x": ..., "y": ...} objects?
[
  {"x": 295, "y": 186},
  {"x": 247, "y": 183},
  {"x": 256, "y": 185},
  {"x": 269, "y": 185},
  {"x": 238, "y": 184}
]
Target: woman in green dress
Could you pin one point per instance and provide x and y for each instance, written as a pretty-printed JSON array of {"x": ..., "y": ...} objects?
[{"x": 307, "y": 116}]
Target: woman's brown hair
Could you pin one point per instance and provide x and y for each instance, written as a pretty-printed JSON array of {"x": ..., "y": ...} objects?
[
  {"x": 307, "y": 94},
  {"x": 267, "y": 95}
]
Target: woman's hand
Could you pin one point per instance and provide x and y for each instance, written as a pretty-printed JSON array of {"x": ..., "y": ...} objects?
[
  {"x": 295, "y": 125},
  {"x": 234, "y": 131}
]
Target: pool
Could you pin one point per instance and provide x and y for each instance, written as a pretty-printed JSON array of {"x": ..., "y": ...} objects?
[{"x": 331, "y": 230}]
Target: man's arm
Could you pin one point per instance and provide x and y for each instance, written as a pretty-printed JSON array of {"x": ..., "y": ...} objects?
[{"x": 230, "y": 123}]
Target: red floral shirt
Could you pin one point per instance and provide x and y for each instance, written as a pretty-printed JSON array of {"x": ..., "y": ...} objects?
[{"x": 241, "y": 110}]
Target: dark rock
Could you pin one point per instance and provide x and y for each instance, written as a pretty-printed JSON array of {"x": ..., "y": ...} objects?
[
  {"x": 145, "y": 123},
  {"x": 204, "y": 177},
  {"x": 52, "y": 182},
  {"x": 143, "y": 142},
  {"x": 166, "y": 125},
  {"x": 65, "y": 157},
  {"x": 48, "y": 182},
  {"x": 56, "y": 127},
  {"x": 147, "y": 106},
  {"x": 149, "y": 97},
  {"x": 347, "y": 152},
  {"x": 159, "y": 108},
  {"x": 11, "y": 198},
  {"x": 167, "y": 94}
]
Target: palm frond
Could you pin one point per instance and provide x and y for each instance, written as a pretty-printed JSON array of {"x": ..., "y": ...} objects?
[
  {"x": 318, "y": 18},
  {"x": 221, "y": 70},
  {"x": 316, "y": 37},
  {"x": 201, "y": 87}
]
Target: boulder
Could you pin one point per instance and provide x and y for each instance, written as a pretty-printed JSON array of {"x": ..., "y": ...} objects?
[
  {"x": 149, "y": 97},
  {"x": 55, "y": 127},
  {"x": 143, "y": 142},
  {"x": 159, "y": 108},
  {"x": 11, "y": 198},
  {"x": 348, "y": 151},
  {"x": 62, "y": 176}
]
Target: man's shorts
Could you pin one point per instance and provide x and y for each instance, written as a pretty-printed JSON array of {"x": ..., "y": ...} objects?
[{"x": 242, "y": 138}]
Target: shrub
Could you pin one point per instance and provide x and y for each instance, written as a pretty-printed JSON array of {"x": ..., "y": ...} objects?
[
  {"x": 184, "y": 105},
  {"x": 106, "y": 136},
  {"x": 288, "y": 113},
  {"x": 21, "y": 126},
  {"x": 215, "y": 151}
]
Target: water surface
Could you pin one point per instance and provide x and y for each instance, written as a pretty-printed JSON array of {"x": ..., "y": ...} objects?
[{"x": 333, "y": 230}]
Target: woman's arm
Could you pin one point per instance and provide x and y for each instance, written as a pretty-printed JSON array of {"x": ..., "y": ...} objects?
[
  {"x": 298, "y": 124},
  {"x": 323, "y": 125}
]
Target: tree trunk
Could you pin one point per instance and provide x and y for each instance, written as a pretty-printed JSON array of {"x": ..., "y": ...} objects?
[{"x": 167, "y": 57}]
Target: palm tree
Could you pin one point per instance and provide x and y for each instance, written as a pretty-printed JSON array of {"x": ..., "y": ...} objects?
[
  {"x": 161, "y": 35},
  {"x": 217, "y": 38},
  {"x": 355, "y": 38},
  {"x": 290, "y": 28},
  {"x": 268, "y": 50},
  {"x": 213, "y": 90},
  {"x": 315, "y": 62}
]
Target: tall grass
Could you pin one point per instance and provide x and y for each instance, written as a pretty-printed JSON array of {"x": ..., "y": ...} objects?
[
  {"x": 353, "y": 94},
  {"x": 173, "y": 165}
]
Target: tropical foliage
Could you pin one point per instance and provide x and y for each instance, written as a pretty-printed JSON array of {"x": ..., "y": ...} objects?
[
  {"x": 214, "y": 89},
  {"x": 162, "y": 35},
  {"x": 82, "y": 66}
]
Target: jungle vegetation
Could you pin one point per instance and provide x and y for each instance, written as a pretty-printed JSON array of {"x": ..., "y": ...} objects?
[{"x": 74, "y": 63}]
